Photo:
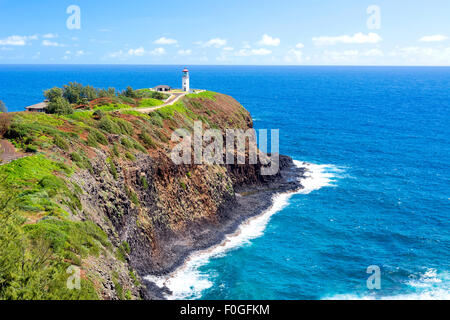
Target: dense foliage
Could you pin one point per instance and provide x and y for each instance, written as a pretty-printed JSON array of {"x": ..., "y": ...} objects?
[
  {"x": 76, "y": 96},
  {"x": 3, "y": 107},
  {"x": 34, "y": 257}
]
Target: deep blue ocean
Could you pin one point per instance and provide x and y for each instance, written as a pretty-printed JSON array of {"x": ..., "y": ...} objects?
[{"x": 378, "y": 142}]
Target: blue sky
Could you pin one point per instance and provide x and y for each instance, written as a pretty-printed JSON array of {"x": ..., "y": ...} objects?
[{"x": 254, "y": 32}]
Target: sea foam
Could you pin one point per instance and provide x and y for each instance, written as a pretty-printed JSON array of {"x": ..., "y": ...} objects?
[
  {"x": 429, "y": 285},
  {"x": 188, "y": 282}
]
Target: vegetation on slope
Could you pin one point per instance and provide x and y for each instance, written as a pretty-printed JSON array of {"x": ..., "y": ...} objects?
[
  {"x": 44, "y": 228},
  {"x": 76, "y": 96},
  {"x": 35, "y": 252}
]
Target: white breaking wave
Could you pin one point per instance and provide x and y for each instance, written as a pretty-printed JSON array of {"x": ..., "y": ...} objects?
[
  {"x": 187, "y": 282},
  {"x": 430, "y": 285}
]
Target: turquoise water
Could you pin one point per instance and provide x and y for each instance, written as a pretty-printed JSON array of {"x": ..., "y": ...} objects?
[{"x": 379, "y": 192}]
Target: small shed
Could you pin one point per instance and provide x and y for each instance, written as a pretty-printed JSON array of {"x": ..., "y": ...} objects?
[
  {"x": 162, "y": 88},
  {"x": 39, "y": 107}
]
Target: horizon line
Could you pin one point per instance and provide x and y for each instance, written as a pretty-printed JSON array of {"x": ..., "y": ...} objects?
[{"x": 221, "y": 65}]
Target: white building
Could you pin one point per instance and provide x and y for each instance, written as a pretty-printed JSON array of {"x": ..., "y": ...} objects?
[
  {"x": 40, "y": 107},
  {"x": 162, "y": 88},
  {"x": 186, "y": 80}
]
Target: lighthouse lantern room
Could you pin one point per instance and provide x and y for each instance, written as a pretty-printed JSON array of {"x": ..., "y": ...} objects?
[{"x": 186, "y": 80}]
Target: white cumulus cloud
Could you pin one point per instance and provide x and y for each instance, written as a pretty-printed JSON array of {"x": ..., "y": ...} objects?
[
  {"x": 433, "y": 38},
  {"x": 358, "y": 38},
  {"x": 269, "y": 41},
  {"x": 261, "y": 52},
  {"x": 124, "y": 55},
  {"x": 48, "y": 43},
  {"x": 186, "y": 52},
  {"x": 17, "y": 40},
  {"x": 116, "y": 54},
  {"x": 216, "y": 42},
  {"x": 294, "y": 55},
  {"x": 164, "y": 41},
  {"x": 414, "y": 55},
  {"x": 373, "y": 53},
  {"x": 158, "y": 51},
  {"x": 50, "y": 36},
  {"x": 253, "y": 52},
  {"x": 137, "y": 52}
]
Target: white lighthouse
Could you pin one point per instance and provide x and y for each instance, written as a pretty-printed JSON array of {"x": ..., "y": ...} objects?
[{"x": 186, "y": 80}]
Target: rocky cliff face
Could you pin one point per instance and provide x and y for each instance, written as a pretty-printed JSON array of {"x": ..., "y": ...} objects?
[
  {"x": 155, "y": 212},
  {"x": 179, "y": 209}
]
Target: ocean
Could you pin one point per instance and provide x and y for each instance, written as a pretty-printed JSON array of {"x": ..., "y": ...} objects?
[{"x": 376, "y": 142}]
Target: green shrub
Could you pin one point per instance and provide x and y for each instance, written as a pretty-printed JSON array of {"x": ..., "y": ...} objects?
[
  {"x": 119, "y": 289},
  {"x": 32, "y": 149},
  {"x": 53, "y": 93},
  {"x": 136, "y": 113},
  {"x": 128, "y": 295},
  {"x": 26, "y": 175},
  {"x": 59, "y": 106},
  {"x": 127, "y": 100},
  {"x": 147, "y": 93},
  {"x": 139, "y": 146},
  {"x": 161, "y": 136},
  {"x": 127, "y": 143},
  {"x": 3, "y": 107},
  {"x": 103, "y": 93},
  {"x": 150, "y": 102},
  {"x": 32, "y": 268},
  {"x": 115, "y": 150},
  {"x": 132, "y": 196},
  {"x": 76, "y": 157},
  {"x": 18, "y": 131},
  {"x": 82, "y": 161},
  {"x": 130, "y": 93},
  {"x": 130, "y": 156},
  {"x": 92, "y": 141},
  {"x": 156, "y": 119},
  {"x": 125, "y": 126},
  {"x": 109, "y": 126},
  {"x": 60, "y": 142},
  {"x": 96, "y": 136},
  {"x": 205, "y": 95},
  {"x": 135, "y": 278},
  {"x": 112, "y": 168},
  {"x": 70, "y": 239},
  {"x": 148, "y": 141},
  {"x": 126, "y": 247},
  {"x": 99, "y": 113},
  {"x": 144, "y": 182}
]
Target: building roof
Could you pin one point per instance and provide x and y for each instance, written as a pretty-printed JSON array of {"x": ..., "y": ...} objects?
[
  {"x": 163, "y": 87},
  {"x": 41, "y": 105}
]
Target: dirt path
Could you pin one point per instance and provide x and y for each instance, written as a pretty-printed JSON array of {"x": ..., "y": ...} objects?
[
  {"x": 8, "y": 152},
  {"x": 172, "y": 99}
]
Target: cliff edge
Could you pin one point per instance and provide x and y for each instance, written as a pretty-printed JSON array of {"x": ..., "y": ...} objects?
[{"x": 98, "y": 197}]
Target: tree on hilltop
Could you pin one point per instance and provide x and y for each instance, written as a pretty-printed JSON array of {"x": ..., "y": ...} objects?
[
  {"x": 130, "y": 92},
  {"x": 59, "y": 106},
  {"x": 3, "y": 107},
  {"x": 53, "y": 93}
]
